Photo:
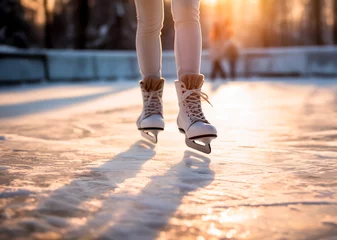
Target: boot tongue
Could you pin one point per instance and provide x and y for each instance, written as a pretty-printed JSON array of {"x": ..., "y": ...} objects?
[
  {"x": 192, "y": 81},
  {"x": 152, "y": 84}
]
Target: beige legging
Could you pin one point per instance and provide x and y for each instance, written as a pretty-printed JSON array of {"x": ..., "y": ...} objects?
[{"x": 187, "y": 43}]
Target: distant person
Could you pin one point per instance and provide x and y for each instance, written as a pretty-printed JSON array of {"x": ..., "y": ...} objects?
[
  {"x": 231, "y": 53},
  {"x": 223, "y": 46},
  {"x": 217, "y": 40},
  {"x": 188, "y": 44}
]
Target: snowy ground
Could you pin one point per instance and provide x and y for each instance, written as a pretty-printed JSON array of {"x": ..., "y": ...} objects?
[{"x": 73, "y": 165}]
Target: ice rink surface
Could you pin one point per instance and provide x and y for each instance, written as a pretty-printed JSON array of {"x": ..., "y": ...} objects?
[{"x": 74, "y": 166}]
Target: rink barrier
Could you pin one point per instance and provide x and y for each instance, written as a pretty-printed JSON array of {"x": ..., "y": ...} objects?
[
  {"x": 18, "y": 66},
  {"x": 23, "y": 66},
  {"x": 292, "y": 61}
]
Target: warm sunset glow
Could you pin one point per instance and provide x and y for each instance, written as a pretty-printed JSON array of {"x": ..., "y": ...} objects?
[
  {"x": 210, "y": 2},
  {"x": 297, "y": 12},
  {"x": 247, "y": 17},
  {"x": 38, "y": 8}
]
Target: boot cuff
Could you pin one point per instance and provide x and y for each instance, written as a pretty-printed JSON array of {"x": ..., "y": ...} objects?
[
  {"x": 152, "y": 84},
  {"x": 192, "y": 81}
]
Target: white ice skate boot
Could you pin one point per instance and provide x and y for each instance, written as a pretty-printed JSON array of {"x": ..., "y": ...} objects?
[
  {"x": 151, "y": 120},
  {"x": 191, "y": 120}
]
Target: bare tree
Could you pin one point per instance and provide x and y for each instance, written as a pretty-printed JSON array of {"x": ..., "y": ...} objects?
[
  {"x": 335, "y": 22},
  {"x": 317, "y": 17},
  {"x": 111, "y": 24},
  {"x": 264, "y": 22},
  {"x": 81, "y": 23},
  {"x": 47, "y": 26},
  {"x": 284, "y": 23}
]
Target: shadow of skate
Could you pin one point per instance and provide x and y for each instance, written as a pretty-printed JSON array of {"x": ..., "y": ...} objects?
[
  {"x": 68, "y": 200},
  {"x": 151, "y": 210}
]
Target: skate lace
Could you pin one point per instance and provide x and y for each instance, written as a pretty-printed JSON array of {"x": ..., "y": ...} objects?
[
  {"x": 191, "y": 99},
  {"x": 153, "y": 102}
]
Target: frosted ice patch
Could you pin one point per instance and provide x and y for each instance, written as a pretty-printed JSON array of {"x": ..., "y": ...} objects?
[
  {"x": 3, "y": 168},
  {"x": 16, "y": 193},
  {"x": 163, "y": 192},
  {"x": 19, "y": 150}
]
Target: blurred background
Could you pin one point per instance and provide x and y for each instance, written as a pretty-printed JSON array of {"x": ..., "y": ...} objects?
[
  {"x": 111, "y": 24},
  {"x": 272, "y": 38}
]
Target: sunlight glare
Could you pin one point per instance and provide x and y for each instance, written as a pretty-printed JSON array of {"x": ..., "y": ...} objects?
[
  {"x": 212, "y": 230},
  {"x": 211, "y": 2}
]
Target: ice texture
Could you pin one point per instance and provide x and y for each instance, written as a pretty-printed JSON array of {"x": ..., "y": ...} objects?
[{"x": 74, "y": 166}]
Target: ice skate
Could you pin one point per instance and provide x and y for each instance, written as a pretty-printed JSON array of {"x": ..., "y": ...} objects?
[
  {"x": 191, "y": 120},
  {"x": 151, "y": 120}
]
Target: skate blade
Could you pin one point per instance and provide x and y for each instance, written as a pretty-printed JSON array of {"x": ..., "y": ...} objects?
[
  {"x": 150, "y": 134},
  {"x": 201, "y": 144}
]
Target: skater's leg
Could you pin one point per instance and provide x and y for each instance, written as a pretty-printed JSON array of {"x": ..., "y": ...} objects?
[
  {"x": 232, "y": 64},
  {"x": 148, "y": 43},
  {"x": 151, "y": 121},
  {"x": 187, "y": 44},
  {"x": 191, "y": 120},
  {"x": 214, "y": 70},
  {"x": 221, "y": 70},
  {"x": 217, "y": 68}
]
